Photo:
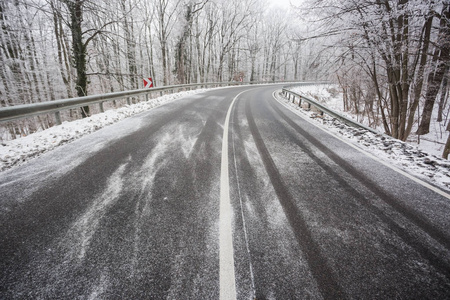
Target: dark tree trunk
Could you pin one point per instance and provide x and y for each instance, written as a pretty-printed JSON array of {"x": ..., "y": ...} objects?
[
  {"x": 447, "y": 145},
  {"x": 441, "y": 59},
  {"x": 75, "y": 8},
  {"x": 421, "y": 71},
  {"x": 180, "y": 54},
  {"x": 443, "y": 94}
]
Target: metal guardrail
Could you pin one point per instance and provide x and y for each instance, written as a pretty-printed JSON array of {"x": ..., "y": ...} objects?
[
  {"x": 323, "y": 109},
  {"x": 27, "y": 110}
]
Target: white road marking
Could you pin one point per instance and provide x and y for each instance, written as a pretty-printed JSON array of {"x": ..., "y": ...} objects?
[
  {"x": 226, "y": 256},
  {"x": 389, "y": 165}
]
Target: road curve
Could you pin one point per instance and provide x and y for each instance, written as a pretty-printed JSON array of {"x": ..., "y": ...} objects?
[{"x": 225, "y": 194}]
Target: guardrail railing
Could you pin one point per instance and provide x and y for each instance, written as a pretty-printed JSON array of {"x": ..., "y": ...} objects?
[
  {"x": 298, "y": 99},
  {"x": 27, "y": 110}
]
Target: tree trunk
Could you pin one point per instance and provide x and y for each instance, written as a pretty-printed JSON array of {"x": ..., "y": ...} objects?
[
  {"x": 420, "y": 74},
  {"x": 60, "y": 45},
  {"x": 441, "y": 59},
  {"x": 404, "y": 84},
  {"x": 443, "y": 94},
  {"x": 131, "y": 47},
  {"x": 75, "y": 8},
  {"x": 447, "y": 145},
  {"x": 180, "y": 52}
]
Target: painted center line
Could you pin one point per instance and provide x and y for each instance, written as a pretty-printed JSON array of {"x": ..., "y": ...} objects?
[{"x": 226, "y": 256}]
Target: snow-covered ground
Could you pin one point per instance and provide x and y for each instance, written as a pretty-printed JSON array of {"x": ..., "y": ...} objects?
[
  {"x": 421, "y": 160},
  {"x": 19, "y": 151}
]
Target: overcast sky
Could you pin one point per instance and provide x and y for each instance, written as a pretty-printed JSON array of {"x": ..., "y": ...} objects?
[{"x": 284, "y": 3}]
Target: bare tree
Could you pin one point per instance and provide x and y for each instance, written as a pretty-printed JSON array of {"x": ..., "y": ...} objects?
[
  {"x": 389, "y": 40},
  {"x": 166, "y": 14},
  {"x": 440, "y": 63},
  {"x": 80, "y": 41},
  {"x": 191, "y": 10}
]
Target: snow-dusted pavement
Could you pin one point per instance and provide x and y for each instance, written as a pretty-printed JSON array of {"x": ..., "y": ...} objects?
[
  {"x": 22, "y": 150},
  {"x": 131, "y": 211}
]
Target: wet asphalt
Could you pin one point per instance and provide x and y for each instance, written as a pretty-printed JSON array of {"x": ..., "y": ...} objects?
[{"x": 132, "y": 212}]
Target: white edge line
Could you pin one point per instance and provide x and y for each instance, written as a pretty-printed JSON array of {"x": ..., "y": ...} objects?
[{"x": 417, "y": 180}]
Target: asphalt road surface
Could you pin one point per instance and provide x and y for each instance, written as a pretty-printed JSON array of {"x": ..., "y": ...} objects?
[{"x": 223, "y": 195}]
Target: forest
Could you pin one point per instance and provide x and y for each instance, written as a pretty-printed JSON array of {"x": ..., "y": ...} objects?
[{"x": 390, "y": 58}]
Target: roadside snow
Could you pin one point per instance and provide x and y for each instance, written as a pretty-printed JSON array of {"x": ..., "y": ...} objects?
[
  {"x": 19, "y": 151},
  {"x": 329, "y": 95},
  {"x": 405, "y": 156}
]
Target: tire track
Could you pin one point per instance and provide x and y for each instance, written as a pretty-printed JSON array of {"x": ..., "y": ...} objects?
[
  {"x": 275, "y": 275},
  {"x": 211, "y": 126},
  {"x": 320, "y": 270},
  {"x": 437, "y": 262}
]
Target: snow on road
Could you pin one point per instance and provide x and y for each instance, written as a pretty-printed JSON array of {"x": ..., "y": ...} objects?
[{"x": 19, "y": 151}]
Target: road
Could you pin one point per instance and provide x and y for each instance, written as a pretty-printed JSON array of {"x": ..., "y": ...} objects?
[{"x": 224, "y": 194}]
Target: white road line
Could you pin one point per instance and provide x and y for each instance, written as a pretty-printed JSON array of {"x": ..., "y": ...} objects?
[
  {"x": 387, "y": 164},
  {"x": 226, "y": 256}
]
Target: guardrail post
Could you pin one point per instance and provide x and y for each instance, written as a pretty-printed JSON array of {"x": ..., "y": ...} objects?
[
  {"x": 58, "y": 118},
  {"x": 300, "y": 101},
  {"x": 128, "y": 101},
  {"x": 146, "y": 97},
  {"x": 102, "y": 109}
]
